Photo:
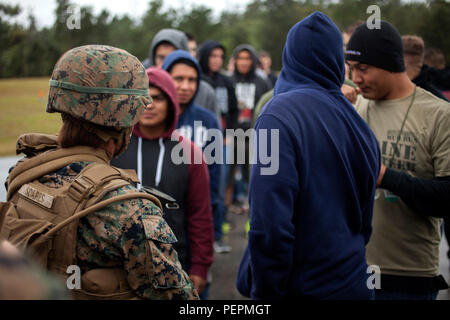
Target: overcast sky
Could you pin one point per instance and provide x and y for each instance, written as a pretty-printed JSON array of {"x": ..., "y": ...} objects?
[{"x": 44, "y": 10}]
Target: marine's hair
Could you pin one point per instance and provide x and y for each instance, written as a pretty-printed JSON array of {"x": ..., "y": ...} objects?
[{"x": 73, "y": 133}]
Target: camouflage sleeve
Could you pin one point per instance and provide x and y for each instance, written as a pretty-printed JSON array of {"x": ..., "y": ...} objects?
[{"x": 150, "y": 261}]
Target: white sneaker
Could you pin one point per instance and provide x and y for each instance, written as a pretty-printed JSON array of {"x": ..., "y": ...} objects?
[{"x": 221, "y": 247}]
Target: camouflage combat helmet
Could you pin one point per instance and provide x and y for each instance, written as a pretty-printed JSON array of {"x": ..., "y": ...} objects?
[{"x": 103, "y": 85}]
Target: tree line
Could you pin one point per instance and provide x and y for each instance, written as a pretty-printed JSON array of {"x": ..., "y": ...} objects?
[{"x": 29, "y": 51}]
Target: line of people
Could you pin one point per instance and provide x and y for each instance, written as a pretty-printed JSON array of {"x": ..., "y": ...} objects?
[
  {"x": 358, "y": 184},
  {"x": 363, "y": 175}
]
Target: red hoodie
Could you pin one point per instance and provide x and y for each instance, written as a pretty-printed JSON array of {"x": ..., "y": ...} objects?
[{"x": 195, "y": 199}]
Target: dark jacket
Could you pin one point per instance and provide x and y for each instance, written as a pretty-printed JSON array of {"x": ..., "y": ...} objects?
[
  {"x": 187, "y": 183},
  {"x": 440, "y": 78},
  {"x": 245, "y": 85},
  {"x": 425, "y": 81},
  {"x": 188, "y": 127},
  {"x": 311, "y": 219},
  {"x": 223, "y": 86}
]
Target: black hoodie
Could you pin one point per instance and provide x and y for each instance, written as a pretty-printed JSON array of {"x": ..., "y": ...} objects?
[
  {"x": 223, "y": 86},
  {"x": 249, "y": 88}
]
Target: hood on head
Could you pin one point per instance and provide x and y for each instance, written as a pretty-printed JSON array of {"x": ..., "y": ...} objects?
[
  {"x": 205, "y": 51},
  {"x": 178, "y": 55},
  {"x": 175, "y": 37},
  {"x": 159, "y": 78},
  {"x": 312, "y": 55},
  {"x": 252, "y": 51}
]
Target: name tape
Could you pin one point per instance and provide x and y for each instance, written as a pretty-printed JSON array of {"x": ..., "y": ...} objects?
[{"x": 37, "y": 196}]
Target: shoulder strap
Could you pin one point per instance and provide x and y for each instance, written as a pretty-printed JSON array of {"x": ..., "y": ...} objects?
[
  {"x": 97, "y": 206},
  {"x": 96, "y": 180},
  {"x": 49, "y": 161},
  {"x": 90, "y": 186}
]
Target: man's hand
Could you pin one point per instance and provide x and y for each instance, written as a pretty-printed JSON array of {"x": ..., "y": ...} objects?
[
  {"x": 380, "y": 177},
  {"x": 350, "y": 93},
  {"x": 199, "y": 283}
]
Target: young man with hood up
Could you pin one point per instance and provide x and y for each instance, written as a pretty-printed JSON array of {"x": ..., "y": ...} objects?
[
  {"x": 211, "y": 57},
  {"x": 165, "y": 42},
  {"x": 149, "y": 154},
  {"x": 249, "y": 86},
  {"x": 311, "y": 220},
  {"x": 196, "y": 123}
]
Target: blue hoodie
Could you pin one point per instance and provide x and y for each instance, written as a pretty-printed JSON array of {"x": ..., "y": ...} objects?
[
  {"x": 197, "y": 133},
  {"x": 311, "y": 220}
]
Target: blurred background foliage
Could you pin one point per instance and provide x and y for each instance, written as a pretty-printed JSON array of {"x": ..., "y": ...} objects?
[{"x": 26, "y": 51}]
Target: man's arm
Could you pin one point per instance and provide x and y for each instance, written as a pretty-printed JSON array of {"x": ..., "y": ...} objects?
[
  {"x": 427, "y": 196},
  {"x": 430, "y": 197}
]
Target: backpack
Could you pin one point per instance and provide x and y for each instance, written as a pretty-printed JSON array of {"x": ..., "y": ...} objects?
[{"x": 43, "y": 221}]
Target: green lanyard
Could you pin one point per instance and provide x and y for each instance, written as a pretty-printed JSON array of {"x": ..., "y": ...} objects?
[{"x": 403, "y": 124}]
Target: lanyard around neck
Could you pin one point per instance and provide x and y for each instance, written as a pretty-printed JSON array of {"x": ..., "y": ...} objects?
[{"x": 403, "y": 123}]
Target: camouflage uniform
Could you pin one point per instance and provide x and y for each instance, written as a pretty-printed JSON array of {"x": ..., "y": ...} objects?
[
  {"x": 131, "y": 234},
  {"x": 108, "y": 87}
]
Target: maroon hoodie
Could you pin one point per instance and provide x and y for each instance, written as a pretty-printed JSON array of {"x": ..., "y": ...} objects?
[{"x": 187, "y": 183}]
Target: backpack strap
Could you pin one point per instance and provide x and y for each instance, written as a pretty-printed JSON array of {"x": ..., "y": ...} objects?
[
  {"x": 48, "y": 235},
  {"x": 85, "y": 191},
  {"x": 96, "y": 180}
]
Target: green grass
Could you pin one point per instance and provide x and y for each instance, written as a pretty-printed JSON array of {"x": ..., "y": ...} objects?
[{"x": 22, "y": 110}]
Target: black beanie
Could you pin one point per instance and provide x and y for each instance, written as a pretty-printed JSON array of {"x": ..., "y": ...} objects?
[{"x": 380, "y": 48}]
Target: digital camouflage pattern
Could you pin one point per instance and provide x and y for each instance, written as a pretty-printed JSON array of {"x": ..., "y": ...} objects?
[
  {"x": 101, "y": 84},
  {"x": 132, "y": 235}
]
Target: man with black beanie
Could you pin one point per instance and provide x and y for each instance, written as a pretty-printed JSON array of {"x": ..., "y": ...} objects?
[{"x": 413, "y": 130}]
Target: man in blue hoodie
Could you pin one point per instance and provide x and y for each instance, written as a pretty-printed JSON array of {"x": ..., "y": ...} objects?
[
  {"x": 196, "y": 123},
  {"x": 311, "y": 220}
]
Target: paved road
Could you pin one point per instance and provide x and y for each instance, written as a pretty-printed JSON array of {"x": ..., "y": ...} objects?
[
  {"x": 5, "y": 164},
  {"x": 225, "y": 266}
]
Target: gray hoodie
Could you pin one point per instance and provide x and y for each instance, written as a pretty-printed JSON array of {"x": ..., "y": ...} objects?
[
  {"x": 206, "y": 96},
  {"x": 175, "y": 37}
]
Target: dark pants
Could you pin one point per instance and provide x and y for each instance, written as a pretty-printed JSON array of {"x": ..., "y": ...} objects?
[{"x": 447, "y": 233}]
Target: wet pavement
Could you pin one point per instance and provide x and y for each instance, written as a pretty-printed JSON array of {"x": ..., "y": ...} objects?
[{"x": 225, "y": 266}]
